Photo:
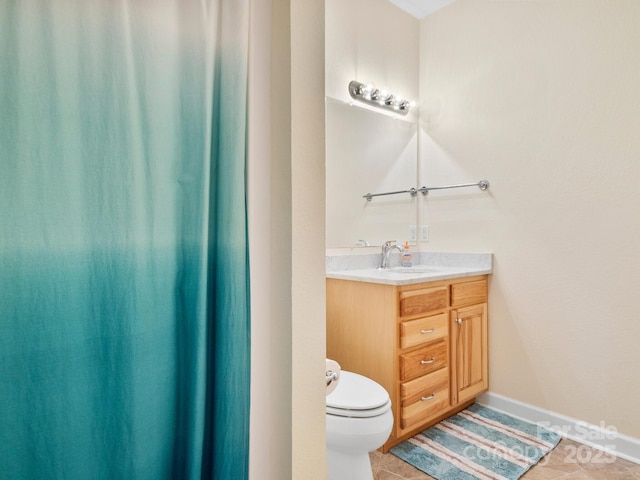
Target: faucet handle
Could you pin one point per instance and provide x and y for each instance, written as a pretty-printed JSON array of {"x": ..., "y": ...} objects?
[{"x": 388, "y": 243}]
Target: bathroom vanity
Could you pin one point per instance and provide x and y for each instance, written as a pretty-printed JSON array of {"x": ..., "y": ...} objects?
[{"x": 421, "y": 334}]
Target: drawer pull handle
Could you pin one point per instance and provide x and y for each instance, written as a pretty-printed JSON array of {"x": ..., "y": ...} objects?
[
  {"x": 431, "y": 330},
  {"x": 428, "y": 362},
  {"x": 459, "y": 321},
  {"x": 430, "y": 397}
]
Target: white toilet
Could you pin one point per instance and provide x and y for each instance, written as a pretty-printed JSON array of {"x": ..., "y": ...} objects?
[{"x": 359, "y": 420}]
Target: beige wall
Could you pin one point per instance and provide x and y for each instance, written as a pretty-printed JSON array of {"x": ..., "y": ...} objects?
[
  {"x": 286, "y": 201},
  {"x": 543, "y": 99},
  {"x": 308, "y": 240}
]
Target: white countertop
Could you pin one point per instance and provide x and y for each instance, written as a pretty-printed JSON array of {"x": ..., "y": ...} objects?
[
  {"x": 407, "y": 276},
  {"x": 437, "y": 267}
]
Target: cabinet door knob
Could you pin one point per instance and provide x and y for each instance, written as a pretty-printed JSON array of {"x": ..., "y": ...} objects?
[
  {"x": 431, "y": 330},
  {"x": 430, "y": 397},
  {"x": 459, "y": 321},
  {"x": 428, "y": 362}
]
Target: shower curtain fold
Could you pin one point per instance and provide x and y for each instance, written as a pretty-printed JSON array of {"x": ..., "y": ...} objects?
[{"x": 124, "y": 299}]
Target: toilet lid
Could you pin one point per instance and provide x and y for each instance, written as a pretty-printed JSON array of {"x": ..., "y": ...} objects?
[{"x": 355, "y": 392}]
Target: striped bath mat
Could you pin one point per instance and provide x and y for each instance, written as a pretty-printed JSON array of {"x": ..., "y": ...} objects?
[{"x": 478, "y": 444}]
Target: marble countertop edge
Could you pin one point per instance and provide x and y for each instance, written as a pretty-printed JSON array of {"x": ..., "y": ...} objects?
[{"x": 430, "y": 267}]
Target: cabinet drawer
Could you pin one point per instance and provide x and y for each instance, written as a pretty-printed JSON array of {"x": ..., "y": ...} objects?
[
  {"x": 423, "y": 330},
  {"x": 424, "y": 300},
  {"x": 468, "y": 293},
  {"x": 426, "y": 360},
  {"x": 424, "y": 397}
]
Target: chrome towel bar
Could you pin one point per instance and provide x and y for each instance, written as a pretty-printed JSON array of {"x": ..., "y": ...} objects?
[{"x": 482, "y": 185}]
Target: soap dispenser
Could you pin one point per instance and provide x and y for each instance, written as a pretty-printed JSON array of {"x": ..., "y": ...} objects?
[{"x": 406, "y": 255}]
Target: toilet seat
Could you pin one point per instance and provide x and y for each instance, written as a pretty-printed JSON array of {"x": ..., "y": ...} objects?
[
  {"x": 372, "y": 412},
  {"x": 357, "y": 396}
]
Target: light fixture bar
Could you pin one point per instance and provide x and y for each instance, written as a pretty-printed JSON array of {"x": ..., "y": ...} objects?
[{"x": 372, "y": 96}]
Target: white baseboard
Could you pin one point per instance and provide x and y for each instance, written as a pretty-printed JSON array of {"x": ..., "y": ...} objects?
[{"x": 601, "y": 437}]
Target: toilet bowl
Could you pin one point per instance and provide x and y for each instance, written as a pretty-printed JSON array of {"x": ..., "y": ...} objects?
[{"x": 359, "y": 420}]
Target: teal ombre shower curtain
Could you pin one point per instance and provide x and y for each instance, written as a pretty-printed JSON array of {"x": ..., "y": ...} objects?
[{"x": 124, "y": 302}]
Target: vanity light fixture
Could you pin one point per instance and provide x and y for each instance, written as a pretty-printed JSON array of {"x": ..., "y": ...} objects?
[{"x": 370, "y": 95}]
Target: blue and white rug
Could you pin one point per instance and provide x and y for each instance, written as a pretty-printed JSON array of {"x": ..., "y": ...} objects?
[{"x": 478, "y": 444}]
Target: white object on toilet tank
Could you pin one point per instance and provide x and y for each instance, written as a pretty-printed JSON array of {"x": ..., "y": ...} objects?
[{"x": 333, "y": 375}]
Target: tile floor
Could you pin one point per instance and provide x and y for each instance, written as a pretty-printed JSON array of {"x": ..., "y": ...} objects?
[{"x": 568, "y": 461}]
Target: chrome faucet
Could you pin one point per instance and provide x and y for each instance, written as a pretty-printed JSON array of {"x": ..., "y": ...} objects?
[{"x": 387, "y": 247}]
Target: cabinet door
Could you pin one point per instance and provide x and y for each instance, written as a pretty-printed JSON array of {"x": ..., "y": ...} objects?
[{"x": 468, "y": 352}]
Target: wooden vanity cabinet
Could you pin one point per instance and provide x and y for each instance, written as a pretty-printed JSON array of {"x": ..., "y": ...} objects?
[{"x": 425, "y": 343}]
